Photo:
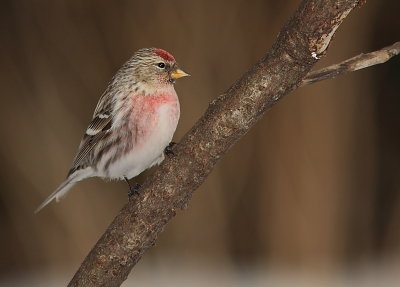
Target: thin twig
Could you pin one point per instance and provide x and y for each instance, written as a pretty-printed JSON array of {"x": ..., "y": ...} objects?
[{"x": 353, "y": 64}]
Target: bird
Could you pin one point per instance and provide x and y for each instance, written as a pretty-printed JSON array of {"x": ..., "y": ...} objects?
[{"x": 132, "y": 125}]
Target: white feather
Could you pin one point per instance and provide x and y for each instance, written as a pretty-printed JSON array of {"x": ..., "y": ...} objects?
[
  {"x": 91, "y": 132},
  {"x": 64, "y": 187}
]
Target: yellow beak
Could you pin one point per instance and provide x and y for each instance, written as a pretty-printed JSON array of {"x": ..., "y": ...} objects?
[{"x": 178, "y": 73}]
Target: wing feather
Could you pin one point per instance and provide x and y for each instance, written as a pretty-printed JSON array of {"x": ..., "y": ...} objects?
[{"x": 97, "y": 129}]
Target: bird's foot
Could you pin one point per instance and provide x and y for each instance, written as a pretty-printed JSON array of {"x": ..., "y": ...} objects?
[
  {"x": 133, "y": 188},
  {"x": 168, "y": 149}
]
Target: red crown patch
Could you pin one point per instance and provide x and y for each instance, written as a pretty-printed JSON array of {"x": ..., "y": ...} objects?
[{"x": 165, "y": 55}]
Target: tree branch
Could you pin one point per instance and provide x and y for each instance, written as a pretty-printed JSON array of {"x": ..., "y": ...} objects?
[
  {"x": 302, "y": 41},
  {"x": 353, "y": 64}
]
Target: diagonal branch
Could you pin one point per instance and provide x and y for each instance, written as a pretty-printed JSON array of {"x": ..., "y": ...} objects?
[{"x": 301, "y": 42}]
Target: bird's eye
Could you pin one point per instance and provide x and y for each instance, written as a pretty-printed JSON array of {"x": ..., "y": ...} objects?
[{"x": 161, "y": 65}]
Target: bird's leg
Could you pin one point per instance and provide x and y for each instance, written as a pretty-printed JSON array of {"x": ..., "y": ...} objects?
[
  {"x": 168, "y": 149},
  {"x": 133, "y": 189}
]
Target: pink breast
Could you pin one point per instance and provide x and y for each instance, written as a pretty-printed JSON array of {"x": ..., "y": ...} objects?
[{"x": 146, "y": 110}]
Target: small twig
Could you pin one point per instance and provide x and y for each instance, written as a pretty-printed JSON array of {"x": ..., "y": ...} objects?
[{"x": 353, "y": 64}]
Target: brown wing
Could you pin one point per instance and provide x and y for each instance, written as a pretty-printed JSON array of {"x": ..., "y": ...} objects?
[{"x": 97, "y": 129}]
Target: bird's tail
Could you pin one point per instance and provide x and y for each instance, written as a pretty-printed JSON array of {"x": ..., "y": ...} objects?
[
  {"x": 64, "y": 187},
  {"x": 58, "y": 193}
]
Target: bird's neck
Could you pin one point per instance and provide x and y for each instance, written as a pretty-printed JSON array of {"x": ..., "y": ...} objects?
[{"x": 148, "y": 89}]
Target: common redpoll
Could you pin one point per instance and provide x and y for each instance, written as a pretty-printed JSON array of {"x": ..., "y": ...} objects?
[{"x": 133, "y": 122}]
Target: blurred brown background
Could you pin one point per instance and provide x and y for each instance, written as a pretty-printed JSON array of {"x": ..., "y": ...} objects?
[{"x": 323, "y": 199}]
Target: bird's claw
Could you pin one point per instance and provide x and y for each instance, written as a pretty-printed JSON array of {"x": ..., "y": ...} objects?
[
  {"x": 168, "y": 149},
  {"x": 134, "y": 189}
]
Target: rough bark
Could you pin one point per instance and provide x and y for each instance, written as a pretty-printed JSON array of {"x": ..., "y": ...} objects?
[{"x": 301, "y": 42}]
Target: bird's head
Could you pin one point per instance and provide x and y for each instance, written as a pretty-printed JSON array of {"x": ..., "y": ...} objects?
[{"x": 155, "y": 67}]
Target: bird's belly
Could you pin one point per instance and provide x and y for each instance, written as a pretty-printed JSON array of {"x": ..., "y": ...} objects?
[{"x": 150, "y": 137}]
